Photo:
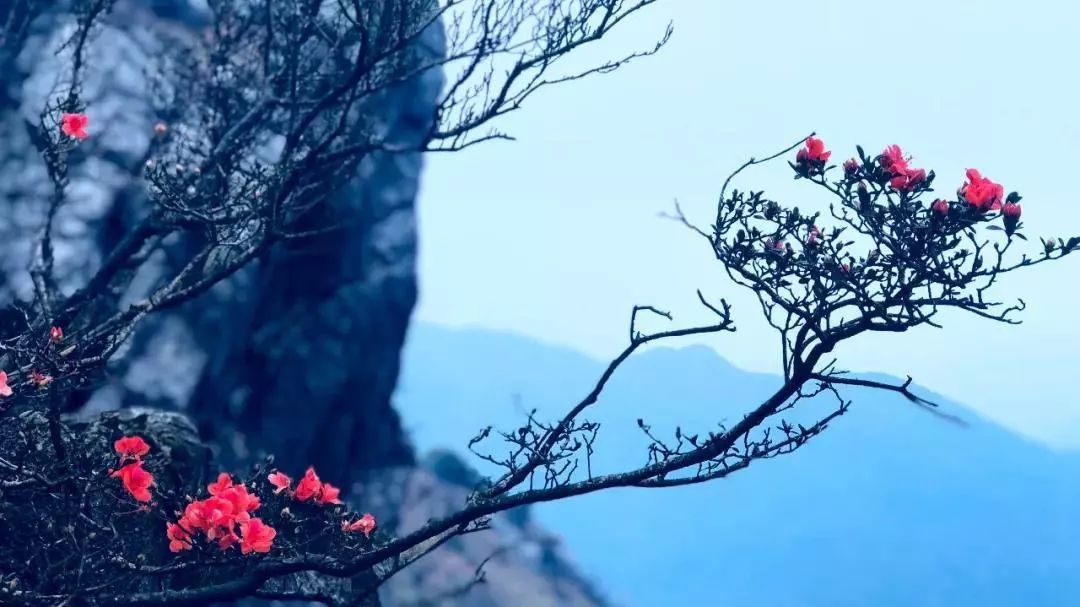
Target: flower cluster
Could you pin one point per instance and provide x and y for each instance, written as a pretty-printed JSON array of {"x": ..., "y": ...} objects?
[
  {"x": 312, "y": 488},
  {"x": 136, "y": 479},
  {"x": 978, "y": 193},
  {"x": 225, "y": 518},
  {"x": 902, "y": 177}
]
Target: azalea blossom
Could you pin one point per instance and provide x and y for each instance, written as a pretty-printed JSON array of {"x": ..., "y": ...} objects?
[
  {"x": 256, "y": 536},
  {"x": 309, "y": 486},
  {"x": 136, "y": 480},
  {"x": 222, "y": 516},
  {"x": 811, "y": 158},
  {"x": 982, "y": 193},
  {"x": 131, "y": 447},
  {"x": 223, "y": 482},
  {"x": 908, "y": 180},
  {"x": 241, "y": 500},
  {"x": 228, "y": 540},
  {"x": 940, "y": 207},
  {"x": 5, "y": 389},
  {"x": 74, "y": 125},
  {"x": 56, "y": 335},
  {"x": 814, "y": 152},
  {"x": 365, "y": 525},
  {"x": 904, "y": 178},
  {"x": 179, "y": 538},
  {"x": 850, "y": 166},
  {"x": 329, "y": 494},
  {"x": 280, "y": 481}
]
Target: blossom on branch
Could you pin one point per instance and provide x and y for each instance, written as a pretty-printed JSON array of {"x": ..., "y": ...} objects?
[
  {"x": 309, "y": 486},
  {"x": 74, "y": 125},
  {"x": 329, "y": 494},
  {"x": 280, "y": 481},
  {"x": 131, "y": 447},
  {"x": 902, "y": 177},
  {"x": 982, "y": 193},
  {"x": 223, "y": 482},
  {"x": 136, "y": 479},
  {"x": 811, "y": 159},
  {"x": 179, "y": 538},
  {"x": 365, "y": 525},
  {"x": 256, "y": 536}
]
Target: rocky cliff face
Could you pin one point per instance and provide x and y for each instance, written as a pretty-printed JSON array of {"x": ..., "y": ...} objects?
[{"x": 298, "y": 356}]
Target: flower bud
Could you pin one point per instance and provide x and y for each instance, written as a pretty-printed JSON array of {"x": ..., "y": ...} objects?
[
  {"x": 940, "y": 207},
  {"x": 1010, "y": 214}
]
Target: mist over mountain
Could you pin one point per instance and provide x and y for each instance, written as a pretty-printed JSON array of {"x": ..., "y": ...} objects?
[{"x": 890, "y": 506}]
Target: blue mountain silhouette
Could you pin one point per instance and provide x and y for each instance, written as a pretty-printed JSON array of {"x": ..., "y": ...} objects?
[{"x": 891, "y": 506}]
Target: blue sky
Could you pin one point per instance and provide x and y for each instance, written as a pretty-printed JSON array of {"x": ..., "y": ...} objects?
[{"x": 557, "y": 235}]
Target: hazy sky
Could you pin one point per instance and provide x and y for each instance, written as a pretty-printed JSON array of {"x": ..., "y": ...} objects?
[{"x": 557, "y": 235}]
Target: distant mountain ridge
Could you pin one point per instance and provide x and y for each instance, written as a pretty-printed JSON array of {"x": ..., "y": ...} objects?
[{"x": 890, "y": 506}]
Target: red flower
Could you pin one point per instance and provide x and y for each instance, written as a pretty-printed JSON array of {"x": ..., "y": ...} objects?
[
  {"x": 365, "y": 525},
  {"x": 223, "y": 482},
  {"x": 56, "y": 335},
  {"x": 845, "y": 268},
  {"x": 136, "y": 479},
  {"x": 811, "y": 158},
  {"x": 40, "y": 379},
  {"x": 74, "y": 125},
  {"x": 280, "y": 481},
  {"x": 981, "y": 193},
  {"x": 255, "y": 536},
  {"x": 131, "y": 447},
  {"x": 226, "y": 541},
  {"x": 329, "y": 494},
  {"x": 309, "y": 486},
  {"x": 241, "y": 500},
  {"x": 814, "y": 152},
  {"x": 940, "y": 207},
  {"x": 5, "y": 389},
  {"x": 892, "y": 157},
  {"x": 904, "y": 177},
  {"x": 908, "y": 180},
  {"x": 179, "y": 538},
  {"x": 160, "y": 128},
  {"x": 850, "y": 166}
]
